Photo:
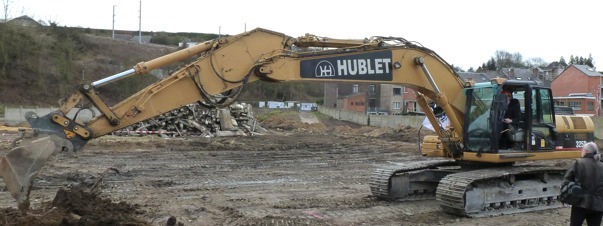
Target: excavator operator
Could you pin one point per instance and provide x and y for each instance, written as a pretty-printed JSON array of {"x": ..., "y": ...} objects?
[{"x": 510, "y": 121}]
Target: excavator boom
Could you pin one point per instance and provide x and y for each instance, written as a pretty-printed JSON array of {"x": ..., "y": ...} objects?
[{"x": 270, "y": 56}]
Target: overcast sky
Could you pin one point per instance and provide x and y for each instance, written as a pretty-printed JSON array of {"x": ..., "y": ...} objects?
[{"x": 465, "y": 33}]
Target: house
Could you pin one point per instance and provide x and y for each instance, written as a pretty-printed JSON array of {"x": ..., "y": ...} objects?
[
  {"x": 525, "y": 74},
  {"x": 550, "y": 72},
  {"x": 353, "y": 102},
  {"x": 410, "y": 105},
  {"x": 24, "y": 21},
  {"x": 508, "y": 73},
  {"x": 396, "y": 99},
  {"x": 476, "y": 77},
  {"x": 335, "y": 93},
  {"x": 363, "y": 97},
  {"x": 391, "y": 98},
  {"x": 578, "y": 87}
]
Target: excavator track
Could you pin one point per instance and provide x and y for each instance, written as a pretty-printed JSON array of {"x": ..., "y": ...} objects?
[
  {"x": 412, "y": 181},
  {"x": 501, "y": 190}
]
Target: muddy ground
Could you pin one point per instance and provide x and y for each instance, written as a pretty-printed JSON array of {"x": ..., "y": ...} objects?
[{"x": 296, "y": 174}]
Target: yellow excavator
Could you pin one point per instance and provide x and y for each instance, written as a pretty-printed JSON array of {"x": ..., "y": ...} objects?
[{"x": 473, "y": 176}]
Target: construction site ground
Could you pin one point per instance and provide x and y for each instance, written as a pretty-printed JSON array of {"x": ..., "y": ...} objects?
[{"x": 295, "y": 174}]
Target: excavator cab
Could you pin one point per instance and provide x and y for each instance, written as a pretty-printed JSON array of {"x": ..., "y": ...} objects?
[{"x": 486, "y": 106}]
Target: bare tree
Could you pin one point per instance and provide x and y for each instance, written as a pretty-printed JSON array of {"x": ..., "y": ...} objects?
[
  {"x": 505, "y": 59},
  {"x": 6, "y": 5},
  {"x": 537, "y": 62}
]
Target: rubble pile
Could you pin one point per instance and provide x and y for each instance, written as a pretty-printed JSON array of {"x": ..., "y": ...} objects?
[{"x": 196, "y": 120}]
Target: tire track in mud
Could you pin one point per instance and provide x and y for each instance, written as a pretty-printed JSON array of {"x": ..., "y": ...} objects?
[
  {"x": 250, "y": 178},
  {"x": 268, "y": 180}
]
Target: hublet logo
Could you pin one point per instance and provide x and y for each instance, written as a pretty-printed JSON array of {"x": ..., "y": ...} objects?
[
  {"x": 324, "y": 69},
  {"x": 355, "y": 66}
]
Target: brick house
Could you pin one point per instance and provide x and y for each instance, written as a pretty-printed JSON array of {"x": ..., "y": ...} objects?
[
  {"x": 579, "y": 87},
  {"x": 396, "y": 99},
  {"x": 334, "y": 92},
  {"x": 410, "y": 105},
  {"x": 354, "y": 102},
  {"x": 363, "y": 97}
]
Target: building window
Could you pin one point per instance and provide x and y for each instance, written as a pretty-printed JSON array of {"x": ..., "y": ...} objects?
[
  {"x": 575, "y": 105},
  {"x": 591, "y": 106},
  {"x": 372, "y": 104},
  {"x": 559, "y": 103},
  {"x": 396, "y": 105},
  {"x": 355, "y": 88},
  {"x": 416, "y": 107},
  {"x": 397, "y": 91},
  {"x": 372, "y": 89}
]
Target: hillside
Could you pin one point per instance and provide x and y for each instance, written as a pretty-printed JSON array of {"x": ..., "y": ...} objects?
[{"x": 39, "y": 66}]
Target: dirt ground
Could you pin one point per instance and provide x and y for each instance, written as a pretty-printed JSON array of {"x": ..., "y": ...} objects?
[{"x": 296, "y": 174}]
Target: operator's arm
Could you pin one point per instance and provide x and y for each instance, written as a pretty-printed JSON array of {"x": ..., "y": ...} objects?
[{"x": 513, "y": 112}]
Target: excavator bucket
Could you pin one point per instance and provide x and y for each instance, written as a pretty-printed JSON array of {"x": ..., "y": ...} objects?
[{"x": 21, "y": 165}]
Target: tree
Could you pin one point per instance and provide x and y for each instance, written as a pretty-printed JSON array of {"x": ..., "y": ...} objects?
[
  {"x": 505, "y": 59},
  {"x": 491, "y": 65},
  {"x": 471, "y": 69},
  {"x": 457, "y": 68},
  {"x": 536, "y": 62},
  {"x": 582, "y": 60},
  {"x": 6, "y": 5},
  {"x": 590, "y": 62},
  {"x": 562, "y": 62}
]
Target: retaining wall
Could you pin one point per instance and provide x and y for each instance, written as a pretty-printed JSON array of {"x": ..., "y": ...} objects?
[
  {"x": 392, "y": 121},
  {"x": 13, "y": 116}
]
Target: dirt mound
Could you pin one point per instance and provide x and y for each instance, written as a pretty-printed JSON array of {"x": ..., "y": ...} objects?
[
  {"x": 290, "y": 121},
  {"x": 75, "y": 207}
]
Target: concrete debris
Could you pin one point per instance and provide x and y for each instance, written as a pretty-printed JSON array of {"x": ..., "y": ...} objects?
[{"x": 195, "y": 120}]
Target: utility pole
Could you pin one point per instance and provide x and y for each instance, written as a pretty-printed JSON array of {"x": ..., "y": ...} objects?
[
  {"x": 113, "y": 24},
  {"x": 599, "y": 91},
  {"x": 140, "y": 22}
]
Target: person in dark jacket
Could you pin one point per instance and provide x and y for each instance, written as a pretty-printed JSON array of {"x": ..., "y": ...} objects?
[
  {"x": 512, "y": 117},
  {"x": 588, "y": 171}
]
